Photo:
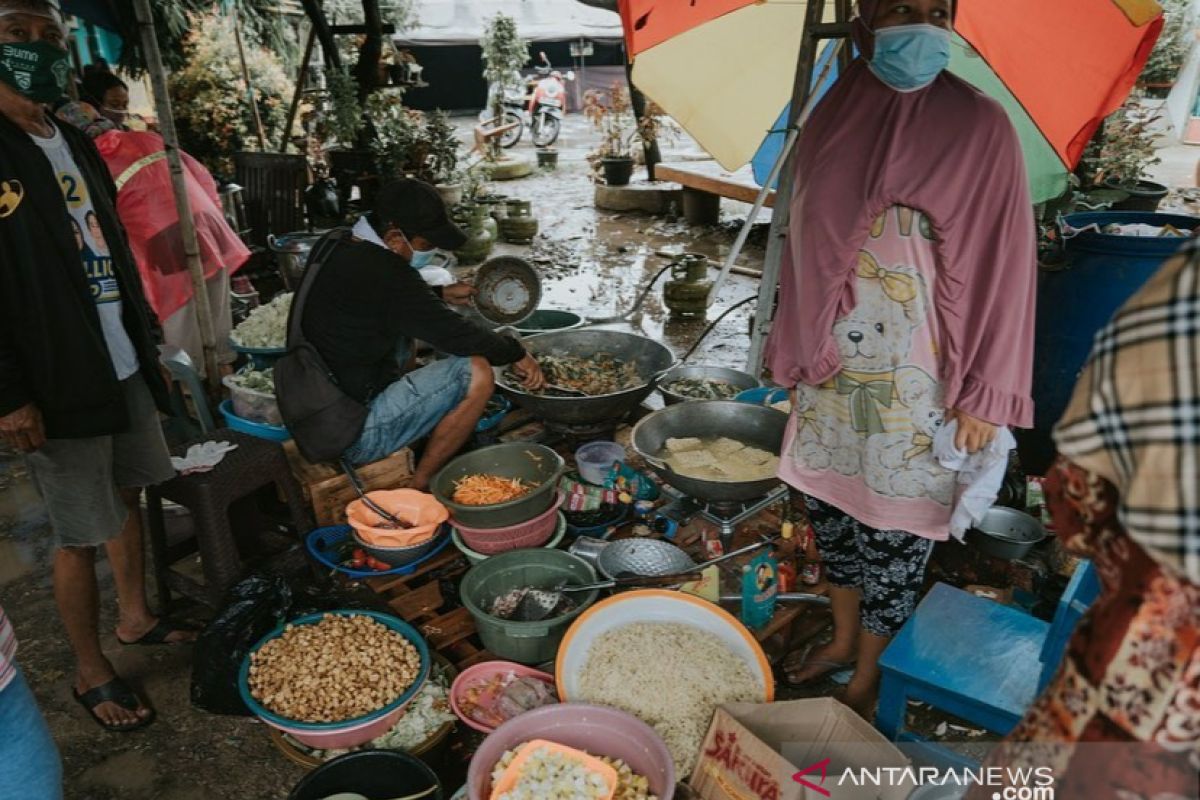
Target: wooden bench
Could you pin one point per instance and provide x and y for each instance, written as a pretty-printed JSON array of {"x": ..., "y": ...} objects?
[{"x": 704, "y": 184}]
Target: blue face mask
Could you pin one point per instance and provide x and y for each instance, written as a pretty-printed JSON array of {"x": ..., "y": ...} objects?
[
  {"x": 421, "y": 258},
  {"x": 909, "y": 57}
]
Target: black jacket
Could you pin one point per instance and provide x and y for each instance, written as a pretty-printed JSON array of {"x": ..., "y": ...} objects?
[
  {"x": 366, "y": 300},
  {"x": 52, "y": 348}
]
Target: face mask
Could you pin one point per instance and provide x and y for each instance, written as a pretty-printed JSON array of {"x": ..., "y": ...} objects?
[
  {"x": 421, "y": 258},
  {"x": 38, "y": 70},
  {"x": 909, "y": 57},
  {"x": 114, "y": 114}
]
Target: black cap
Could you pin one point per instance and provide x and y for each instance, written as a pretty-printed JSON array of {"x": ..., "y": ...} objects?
[{"x": 417, "y": 209}]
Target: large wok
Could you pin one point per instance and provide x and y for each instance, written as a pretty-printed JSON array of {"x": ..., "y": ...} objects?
[
  {"x": 651, "y": 357},
  {"x": 757, "y": 426}
]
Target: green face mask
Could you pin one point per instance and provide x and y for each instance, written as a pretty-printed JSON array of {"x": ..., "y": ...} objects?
[{"x": 38, "y": 70}]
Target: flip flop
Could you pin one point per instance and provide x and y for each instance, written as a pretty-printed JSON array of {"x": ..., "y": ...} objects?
[
  {"x": 828, "y": 668},
  {"x": 115, "y": 691},
  {"x": 159, "y": 633}
]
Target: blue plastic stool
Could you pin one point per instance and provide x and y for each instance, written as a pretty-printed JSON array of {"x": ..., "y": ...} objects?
[{"x": 975, "y": 659}]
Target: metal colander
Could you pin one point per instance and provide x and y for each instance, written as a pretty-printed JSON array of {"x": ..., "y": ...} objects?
[{"x": 645, "y": 557}]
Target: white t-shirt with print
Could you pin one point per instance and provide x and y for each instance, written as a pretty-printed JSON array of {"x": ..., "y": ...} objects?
[{"x": 93, "y": 252}]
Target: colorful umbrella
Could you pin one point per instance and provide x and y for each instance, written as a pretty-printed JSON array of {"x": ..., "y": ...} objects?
[{"x": 723, "y": 69}]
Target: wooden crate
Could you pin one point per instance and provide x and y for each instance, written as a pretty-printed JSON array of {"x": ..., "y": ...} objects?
[
  {"x": 448, "y": 627},
  {"x": 328, "y": 489}
]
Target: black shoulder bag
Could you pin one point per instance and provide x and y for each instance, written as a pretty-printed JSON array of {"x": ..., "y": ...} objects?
[{"x": 323, "y": 420}]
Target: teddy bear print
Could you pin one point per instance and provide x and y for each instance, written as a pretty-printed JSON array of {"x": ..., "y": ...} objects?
[{"x": 877, "y": 417}]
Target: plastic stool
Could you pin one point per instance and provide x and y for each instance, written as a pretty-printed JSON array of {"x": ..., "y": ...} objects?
[
  {"x": 976, "y": 659},
  {"x": 208, "y": 496}
]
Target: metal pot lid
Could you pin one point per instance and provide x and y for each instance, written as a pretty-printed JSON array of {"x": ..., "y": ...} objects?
[
  {"x": 297, "y": 242},
  {"x": 509, "y": 290}
]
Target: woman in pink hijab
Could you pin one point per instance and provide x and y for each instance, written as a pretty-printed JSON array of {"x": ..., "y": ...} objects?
[{"x": 906, "y": 304}]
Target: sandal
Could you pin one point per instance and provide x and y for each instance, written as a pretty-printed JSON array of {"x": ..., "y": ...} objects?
[
  {"x": 115, "y": 691},
  {"x": 159, "y": 633},
  {"x": 827, "y": 666}
]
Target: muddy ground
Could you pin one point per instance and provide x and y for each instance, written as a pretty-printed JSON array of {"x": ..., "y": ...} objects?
[{"x": 592, "y": 262}]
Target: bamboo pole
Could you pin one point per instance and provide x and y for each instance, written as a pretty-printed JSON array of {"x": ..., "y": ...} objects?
[
  {"x": 301, "y": 79},
  {"x": 258, "y": 123},
  {"x": 183, "y": 206}
]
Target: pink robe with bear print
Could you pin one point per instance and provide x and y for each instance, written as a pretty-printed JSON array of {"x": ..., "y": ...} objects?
[{"x": 863, "y": 440}]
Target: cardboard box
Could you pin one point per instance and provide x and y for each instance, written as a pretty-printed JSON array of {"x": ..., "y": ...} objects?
[{"x": 757, "y": 751}]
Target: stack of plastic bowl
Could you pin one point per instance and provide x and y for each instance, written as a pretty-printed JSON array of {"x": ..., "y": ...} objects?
[
  {"x": 345, "y": 733},
  {"x": 526, "y": 521},
  {"x": 397, "y": 547}
]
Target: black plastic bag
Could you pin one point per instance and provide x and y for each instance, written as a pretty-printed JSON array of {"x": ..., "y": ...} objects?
[{"x": 254, "y": 608}]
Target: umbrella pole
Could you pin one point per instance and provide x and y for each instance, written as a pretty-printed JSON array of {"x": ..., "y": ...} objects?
[
  {"x": 183, "y": 206},
  {"x": 814, "y": 31},
  {"x": 792, "y": 135}
]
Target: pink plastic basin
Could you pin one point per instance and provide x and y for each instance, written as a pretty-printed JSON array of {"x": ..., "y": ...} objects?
[
  {"x": 345, "y": 737},
  {"x": 481, "y": 673},
  {"x": 493, "y": 541},
  {"x": 597, "y": 730}
]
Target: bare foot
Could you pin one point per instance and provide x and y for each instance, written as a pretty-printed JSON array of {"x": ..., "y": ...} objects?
[
  {"x": 113, "y": 715},
  {"x": 803, "y": 667}
]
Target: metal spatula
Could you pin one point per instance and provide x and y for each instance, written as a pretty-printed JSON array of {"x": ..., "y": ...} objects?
[{"x": 348, "y": 468}]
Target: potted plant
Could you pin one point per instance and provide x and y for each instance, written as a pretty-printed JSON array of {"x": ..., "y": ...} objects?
[
  {"x": 442, "y": 159},
  {"x": 1119, "y": 158},
  {"x": 504, "y": 54},
  {"x": 610, "y": 111},
  {"x": 1170, "y": 51},
  {"x": 339, "y": 128}
]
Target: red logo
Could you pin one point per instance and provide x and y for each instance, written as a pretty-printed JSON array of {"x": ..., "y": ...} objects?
[{"x": 823, "y": 766}]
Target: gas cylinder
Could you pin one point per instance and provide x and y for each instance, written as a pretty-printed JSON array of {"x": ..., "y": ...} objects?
[{"x": 686, "y": 294}]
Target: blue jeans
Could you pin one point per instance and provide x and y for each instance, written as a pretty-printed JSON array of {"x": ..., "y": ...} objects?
[
  {"x": 410, "y": 408},
  {"x": 29, "y": 764}
]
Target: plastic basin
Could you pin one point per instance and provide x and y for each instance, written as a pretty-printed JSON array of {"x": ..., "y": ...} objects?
[
  {"x": 532, "y": 463},
  {"x": 375, "y": 774},
  {"x": 481, "y": 673},
  {"x": 524, "y": 642},
  {"x": 475, "y": 557},
  {"x": 272, "y": 433},
  {"x": 595, "y": 460},
  {"x": 597, "y": 730},
  {"x": 419, "y": 509},
  {"x": 351, "y": 732},
  {"x": 493, "y": 541},
  {"x": 762, "y": 395},
  {"x": 655, "y": 605},
  {"x": 398, "y": 556}
]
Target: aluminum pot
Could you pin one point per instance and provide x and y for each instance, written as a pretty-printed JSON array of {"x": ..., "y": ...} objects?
[
  {"x": 756, "y": 426},
  {"x": 291, "y": 253},
  {"x": 1006, "y": 533},
  {"x": 651, "y": 358},
  {"x": 739, "y": 380}
]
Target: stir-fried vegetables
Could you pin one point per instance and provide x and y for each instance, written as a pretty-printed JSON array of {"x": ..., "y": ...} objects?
[
  {"x": 486, "y": 490},
  {"x": 702, "y": 389},
  {"x": 600, "y": 374}
]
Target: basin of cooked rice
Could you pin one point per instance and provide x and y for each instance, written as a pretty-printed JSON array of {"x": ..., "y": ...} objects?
[{"x": 670, "y": 675}]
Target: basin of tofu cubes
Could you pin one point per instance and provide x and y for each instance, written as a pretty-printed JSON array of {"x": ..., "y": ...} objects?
[{"x": 719, "y": 459}]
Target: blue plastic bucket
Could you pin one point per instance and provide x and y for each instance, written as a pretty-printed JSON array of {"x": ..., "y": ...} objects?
[
  {"x": 272, "y": 433},
  {"x": 1101, "y": 272}
]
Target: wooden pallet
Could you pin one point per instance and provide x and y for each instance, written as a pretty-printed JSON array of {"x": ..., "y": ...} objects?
[
  {"x": 447, "y": 626},
  {"x": 328, "y": 489}
]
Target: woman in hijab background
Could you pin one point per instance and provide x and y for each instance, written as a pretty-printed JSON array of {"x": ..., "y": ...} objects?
[
  {"x": 906, "y": 302},
  {"x": 1126, "y": 494}
]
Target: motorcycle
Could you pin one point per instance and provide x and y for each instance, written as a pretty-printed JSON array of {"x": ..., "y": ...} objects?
[{"x": 547, "y": 108}]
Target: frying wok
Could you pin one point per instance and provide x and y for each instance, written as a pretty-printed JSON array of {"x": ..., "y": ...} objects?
[
  {"x": 652, "y": 359},
  {"x": 755, "y": 426}
]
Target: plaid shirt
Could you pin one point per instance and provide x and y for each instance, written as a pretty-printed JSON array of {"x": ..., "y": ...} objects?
[
  {"x": 1135, "y": 416},
  {"x": 8, "y": 651}
]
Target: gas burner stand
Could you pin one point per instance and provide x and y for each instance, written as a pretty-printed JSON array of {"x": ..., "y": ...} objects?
[{"x": 726, "y": 516}]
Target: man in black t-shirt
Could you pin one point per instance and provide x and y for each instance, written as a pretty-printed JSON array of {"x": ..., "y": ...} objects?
[{"x": 368, "y": 305}]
